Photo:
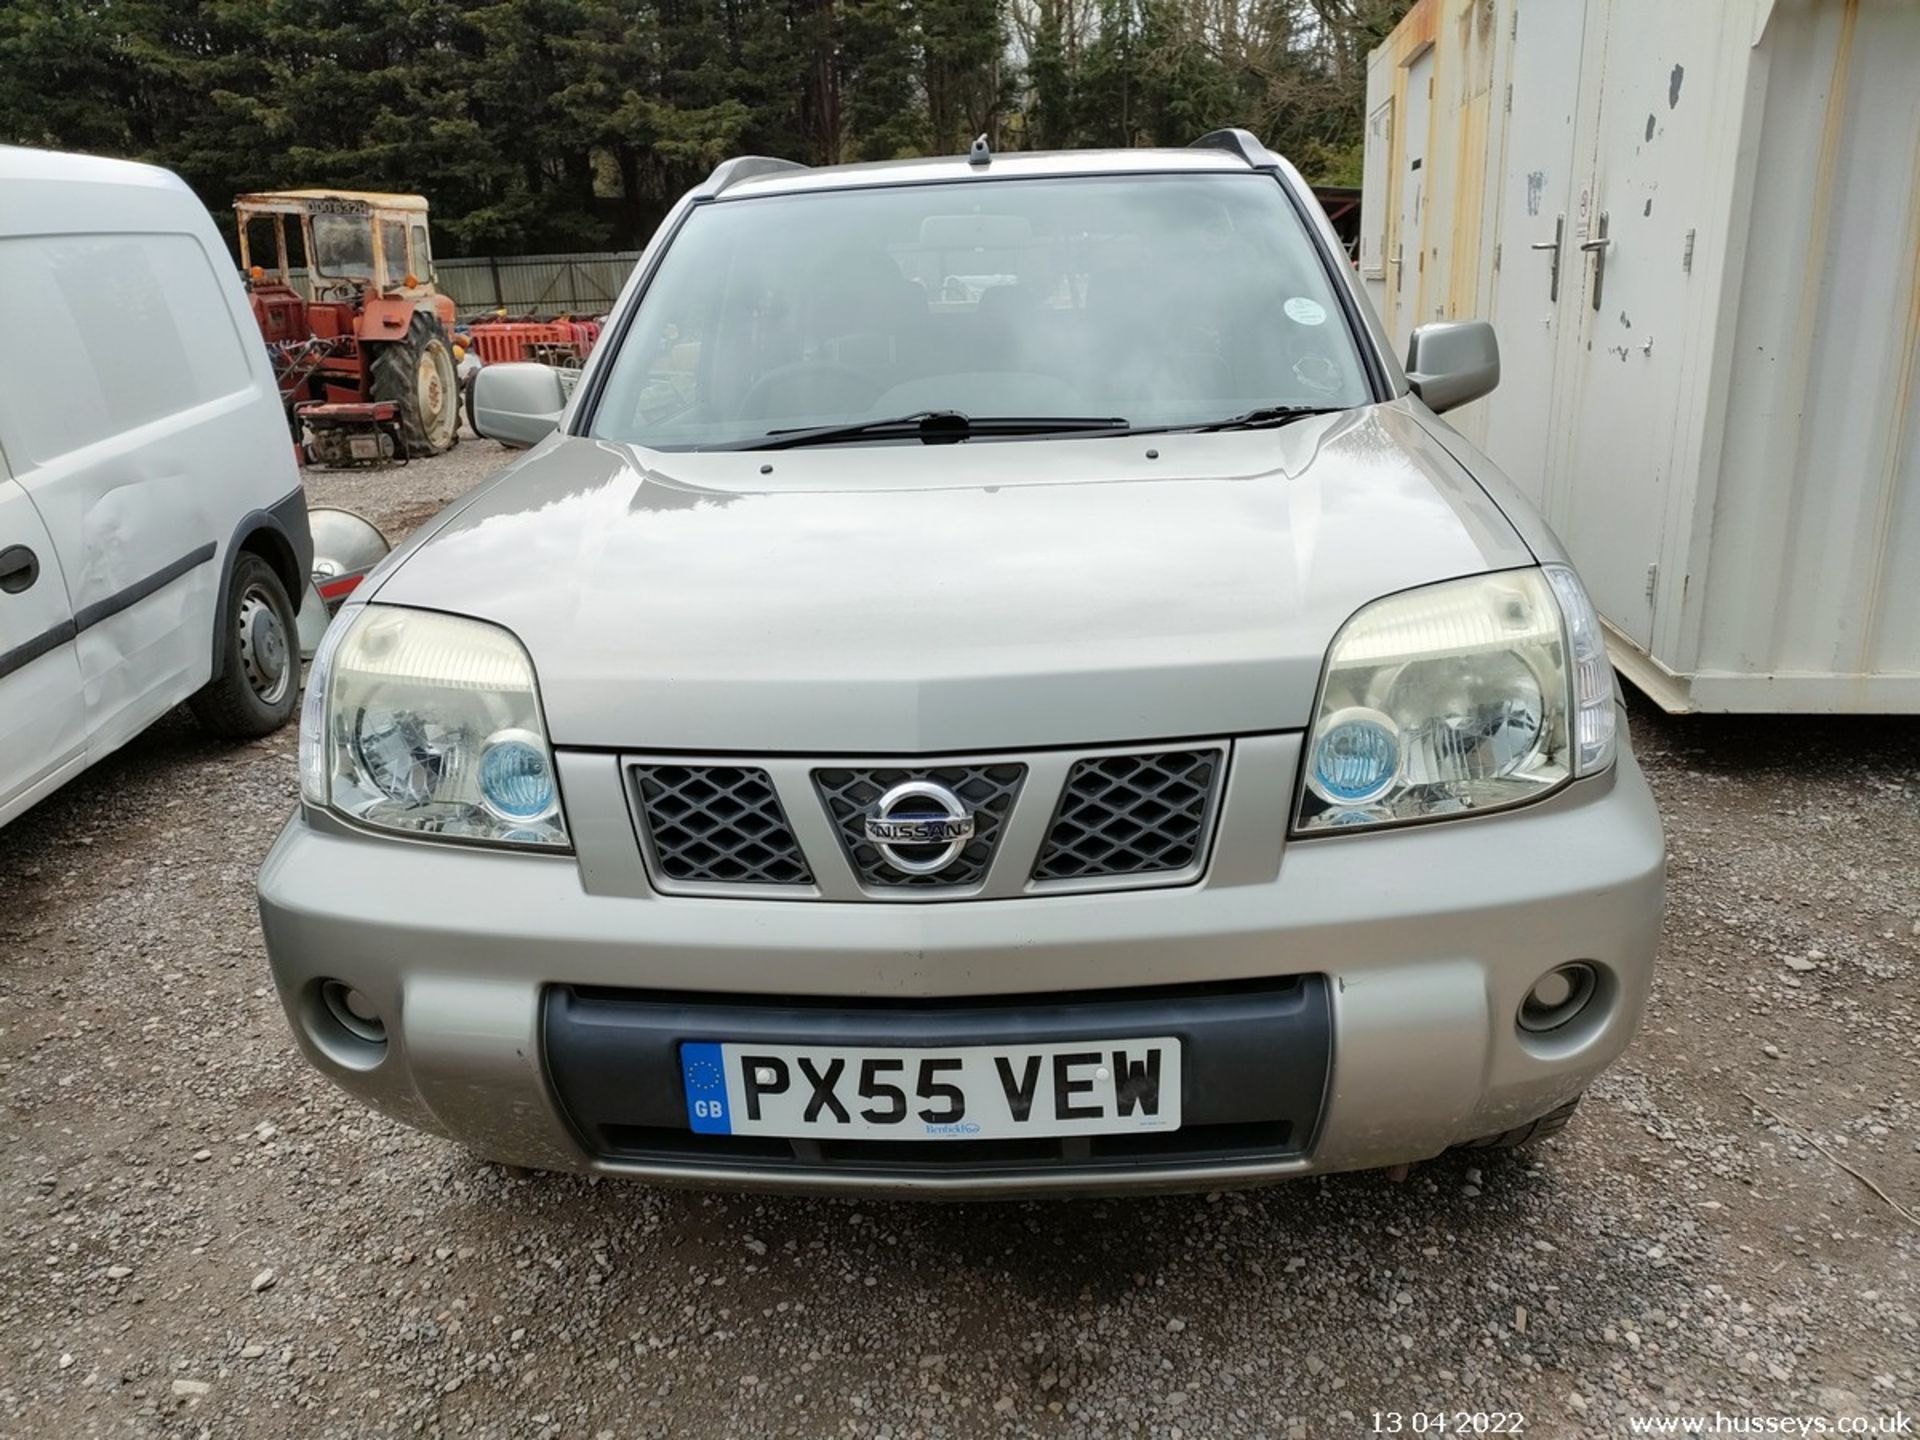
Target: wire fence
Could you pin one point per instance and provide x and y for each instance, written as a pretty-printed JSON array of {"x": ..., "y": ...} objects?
[{"x": 544, "y": 285}]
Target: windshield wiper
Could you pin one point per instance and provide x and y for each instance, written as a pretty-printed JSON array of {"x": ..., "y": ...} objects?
[
  {"x": 1268, "y": 416},
  {"x": 933, "y": 427}
]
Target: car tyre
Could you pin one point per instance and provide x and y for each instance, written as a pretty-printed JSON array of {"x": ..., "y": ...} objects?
[
  {"x": 256, "y": 688},
  {"x": 473, "y": 415},
  {"x": 1551, "y": 1123}
]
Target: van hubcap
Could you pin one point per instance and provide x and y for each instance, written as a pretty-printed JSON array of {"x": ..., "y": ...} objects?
[{"x": 263, "y": 646}]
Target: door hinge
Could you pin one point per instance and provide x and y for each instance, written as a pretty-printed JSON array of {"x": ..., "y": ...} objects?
[
  {"x": 1686, "y": 256},
  {"x": 1509, "y": 105},
  {"x": 1653, "y": 580},
  {"x": 1496, "y": 255},
  {"x": 1513, "y": 29}
]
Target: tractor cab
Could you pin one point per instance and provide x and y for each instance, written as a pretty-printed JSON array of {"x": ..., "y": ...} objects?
[
  {"x": 363, "y": 354},
  {"x": 350, "y": 240}
]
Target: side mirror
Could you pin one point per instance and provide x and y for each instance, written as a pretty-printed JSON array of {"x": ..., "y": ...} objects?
[
  {"x": 517, "y": 404},
  {"x": 1452, "y": 362}
]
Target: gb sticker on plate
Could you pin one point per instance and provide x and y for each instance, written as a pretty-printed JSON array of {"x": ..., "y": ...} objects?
[{"x": 704, "y": 1068}]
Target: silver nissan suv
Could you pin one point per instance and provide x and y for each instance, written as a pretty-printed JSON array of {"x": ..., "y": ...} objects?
[{"x": 992, "y": 681}]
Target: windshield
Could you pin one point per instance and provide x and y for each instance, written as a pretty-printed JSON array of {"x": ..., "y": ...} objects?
[
  {"x": 1168, "y": 300},
  {"x": 343, "y": 245}
]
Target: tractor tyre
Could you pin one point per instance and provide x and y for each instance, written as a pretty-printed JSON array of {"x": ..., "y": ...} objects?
[{"x": 417, "y": 375}]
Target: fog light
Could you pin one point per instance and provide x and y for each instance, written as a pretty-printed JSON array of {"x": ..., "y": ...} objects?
[
  {"x": 1557, "y": 996},
  {"x": 353, "y": 1011}
]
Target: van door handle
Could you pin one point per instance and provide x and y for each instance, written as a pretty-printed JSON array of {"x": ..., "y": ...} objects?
[
  {"x": 19, "y": 568},
  {"x": 1597, "y": 247},
  {"x": 1553, "y": 261}
]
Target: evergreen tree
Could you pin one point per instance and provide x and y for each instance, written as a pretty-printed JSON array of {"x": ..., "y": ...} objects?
[{"x": 554, "y": 125}]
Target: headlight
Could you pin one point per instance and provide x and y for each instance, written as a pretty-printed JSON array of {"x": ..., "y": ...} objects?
[
  {"x": 428, "y": 724},
  {"x": 1457, "y": 698}
]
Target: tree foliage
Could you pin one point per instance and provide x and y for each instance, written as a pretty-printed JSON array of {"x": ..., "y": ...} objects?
[{"x": 538, "y": 125}]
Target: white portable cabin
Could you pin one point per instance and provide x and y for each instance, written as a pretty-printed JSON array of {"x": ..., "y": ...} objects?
[{"x": 1696, "y": 229}]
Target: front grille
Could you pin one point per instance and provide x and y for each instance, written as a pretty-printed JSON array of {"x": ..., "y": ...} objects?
[
  {"x": 851, "y": 793},
  {"x": 1130, "y": 815},
  {"x": 719, "y": 824}
]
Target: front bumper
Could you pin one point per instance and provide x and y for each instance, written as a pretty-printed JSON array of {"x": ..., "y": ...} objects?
[{"x": 1428, "y": 938}]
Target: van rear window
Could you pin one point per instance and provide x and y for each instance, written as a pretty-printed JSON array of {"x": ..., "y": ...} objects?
[{"x": 102, "y": 333}]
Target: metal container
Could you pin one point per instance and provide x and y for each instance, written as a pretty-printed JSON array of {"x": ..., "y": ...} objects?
[{"x": 1696, "y": 229}]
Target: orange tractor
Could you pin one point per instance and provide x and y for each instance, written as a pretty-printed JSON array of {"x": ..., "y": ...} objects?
[{"x": 364, "y": 361}]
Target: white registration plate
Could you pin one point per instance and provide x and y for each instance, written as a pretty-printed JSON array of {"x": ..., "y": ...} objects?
[{"x": 964, "y": 1092}]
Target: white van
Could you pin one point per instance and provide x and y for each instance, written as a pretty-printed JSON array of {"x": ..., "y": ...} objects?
[{"x": 153, "y": 534}]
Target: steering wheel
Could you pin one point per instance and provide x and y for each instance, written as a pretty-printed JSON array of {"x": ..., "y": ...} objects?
[{"x": 845, "y": 391}]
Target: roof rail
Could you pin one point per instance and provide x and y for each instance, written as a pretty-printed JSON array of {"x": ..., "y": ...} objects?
[
  {"x": 1235, "y": 141},
  {"x": 744, "y": 167}
]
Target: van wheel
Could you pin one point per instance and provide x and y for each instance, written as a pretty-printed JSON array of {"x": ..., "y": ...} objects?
[{"x": 257, "y": 686}]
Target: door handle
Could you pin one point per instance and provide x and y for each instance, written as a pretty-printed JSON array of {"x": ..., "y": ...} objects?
[
  {"x": 1597, "y": 247},
  {"x": 19, "y": 568},
  {"x": 1396, "y": 263},
  {"x": 1553, "y": 260}
]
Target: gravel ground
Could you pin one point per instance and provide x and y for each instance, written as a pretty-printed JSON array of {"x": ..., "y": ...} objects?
[
  {"x": 399, "y": 498},
  {"x": 199, "y": 1236}
]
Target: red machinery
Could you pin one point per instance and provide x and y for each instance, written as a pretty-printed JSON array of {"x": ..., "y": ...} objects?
[
  {"x": 351, "y": 432},
  {"x": 498, "y": 339},
  {"x": 365, "y": 365}
]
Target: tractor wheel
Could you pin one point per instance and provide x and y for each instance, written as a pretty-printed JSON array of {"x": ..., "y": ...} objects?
[{"x": 417, "y": 375}]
